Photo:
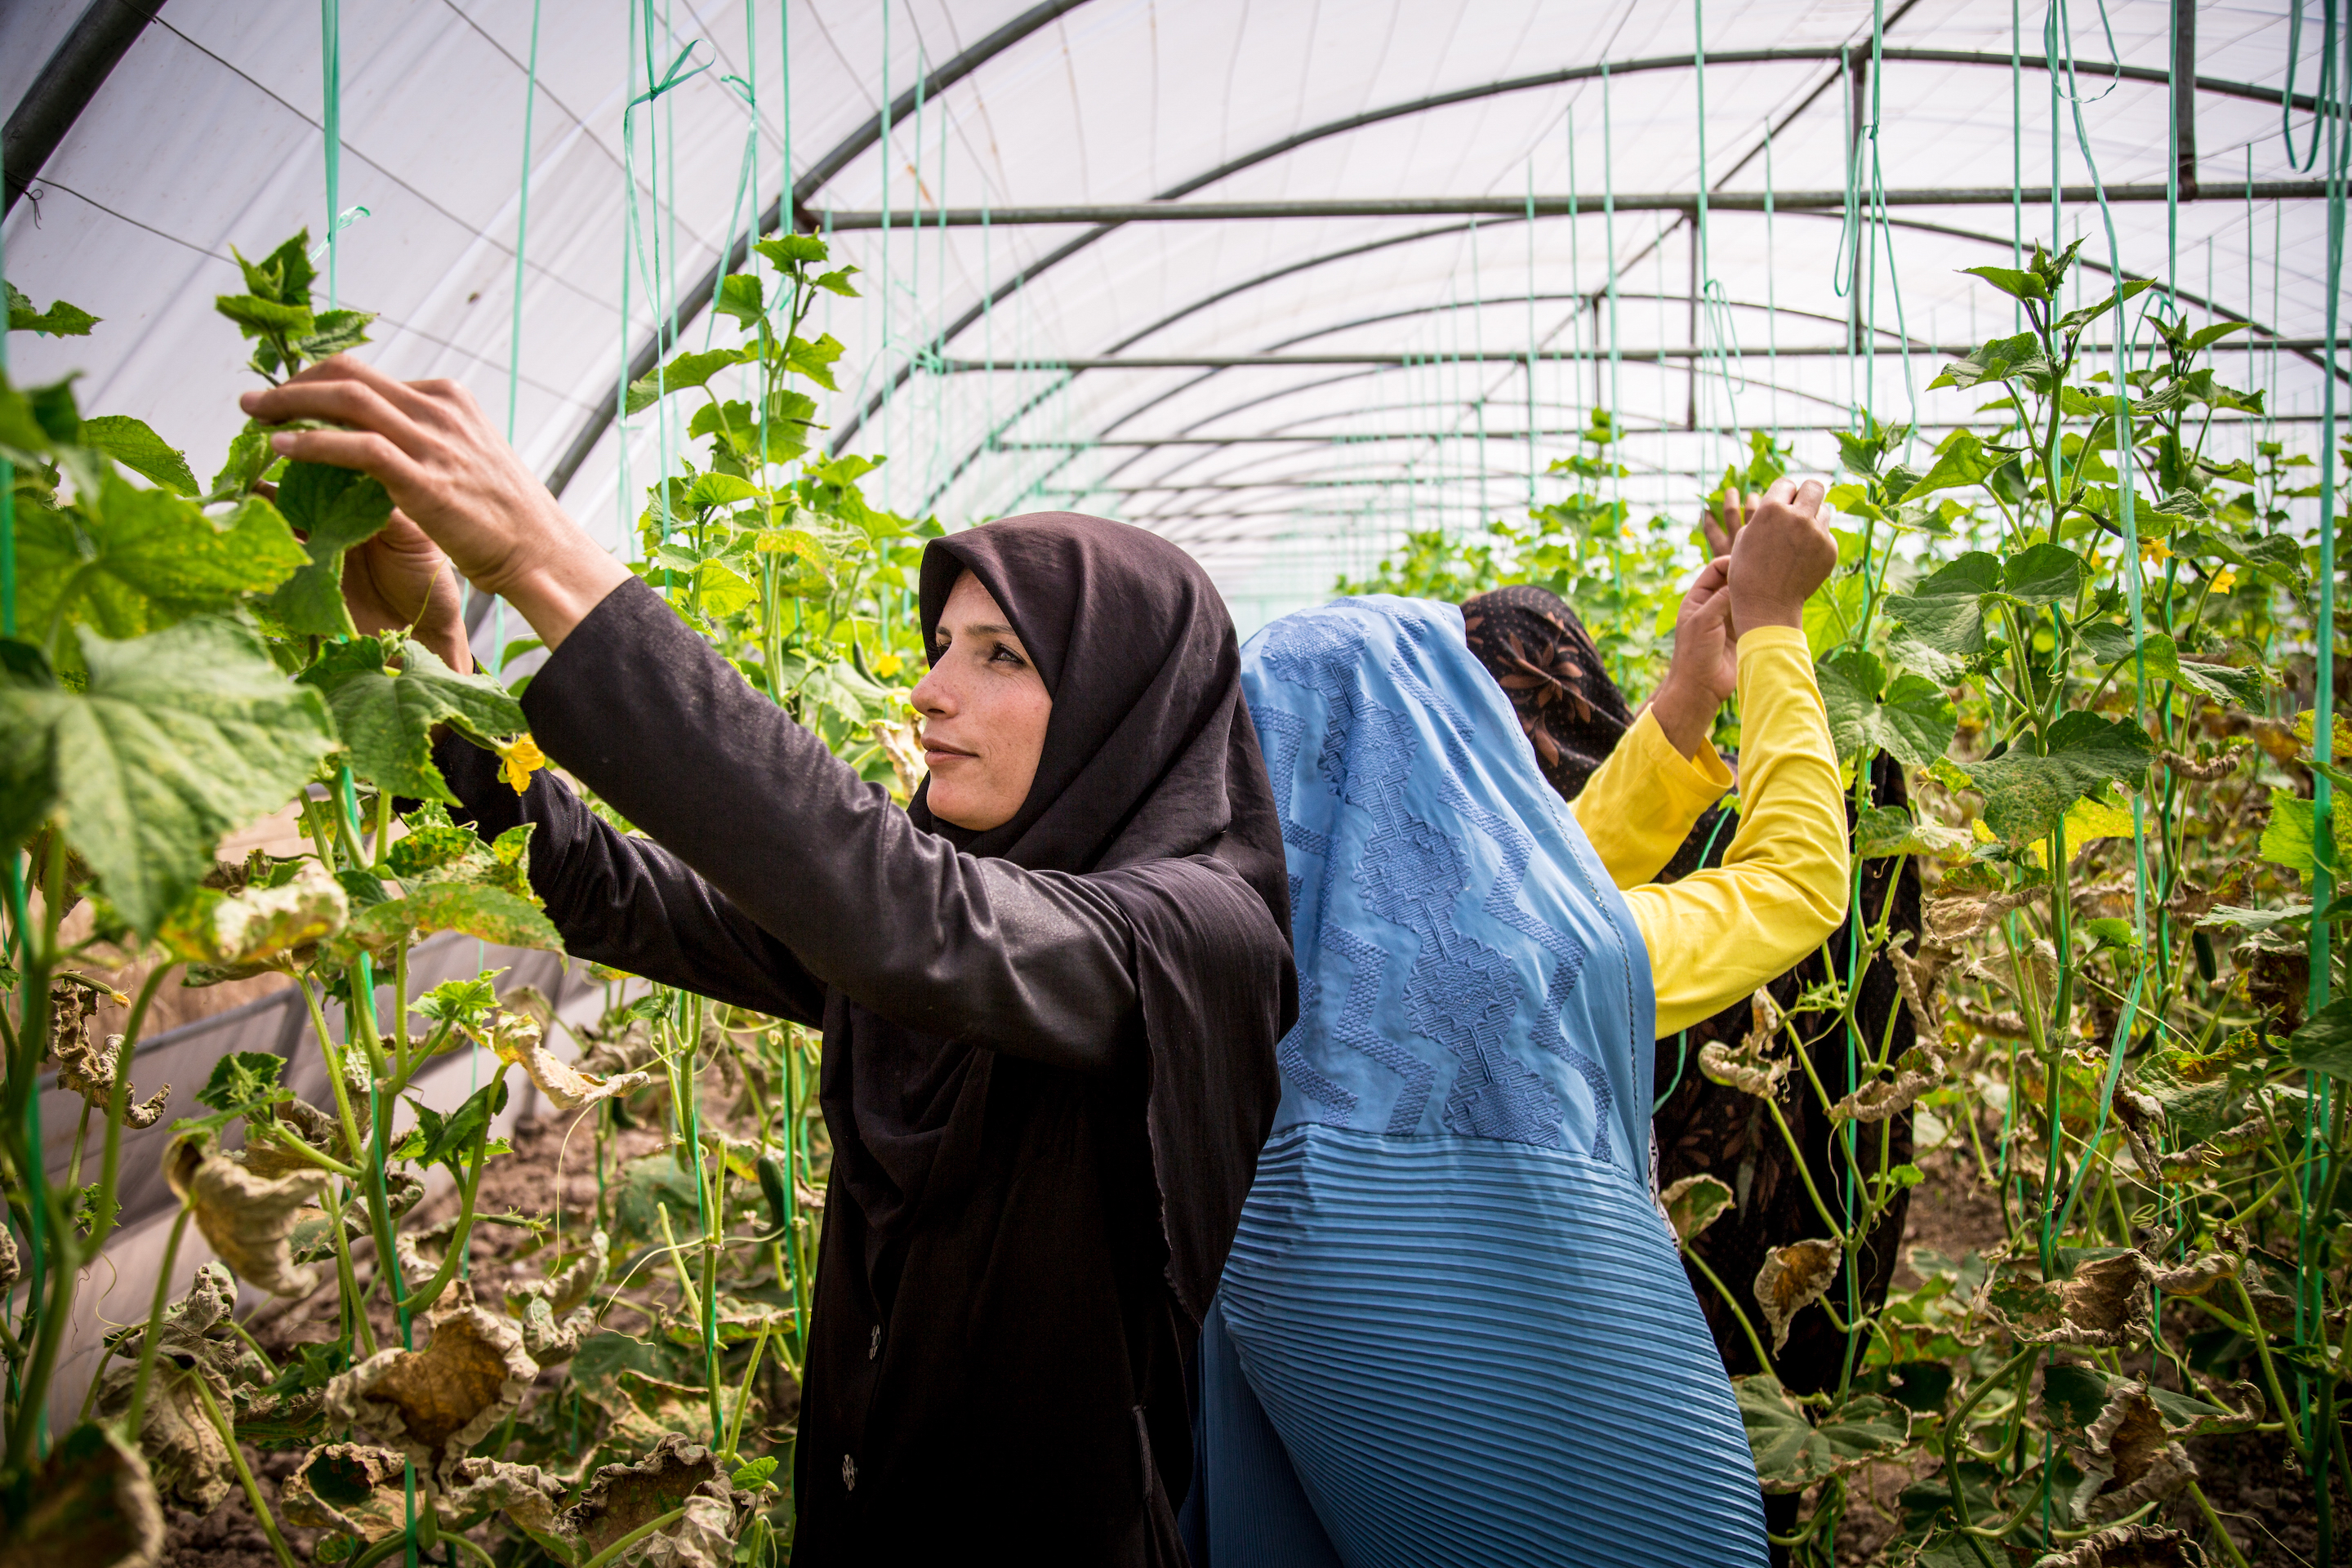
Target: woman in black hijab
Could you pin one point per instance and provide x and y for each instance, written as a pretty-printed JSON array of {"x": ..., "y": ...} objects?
[{"x": 1048, "y": 1030}]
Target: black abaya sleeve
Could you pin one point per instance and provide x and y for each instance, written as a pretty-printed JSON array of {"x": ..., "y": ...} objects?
[
  {"x": 776, "y": 864},
  {"x": 627, "y": 901}
]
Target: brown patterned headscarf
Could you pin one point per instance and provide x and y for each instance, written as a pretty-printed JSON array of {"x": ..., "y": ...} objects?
[{"x": 1535, "y": 647}]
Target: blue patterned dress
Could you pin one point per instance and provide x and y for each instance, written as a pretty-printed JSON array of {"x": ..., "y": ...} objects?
[{"x": 1453, "y": 1328}]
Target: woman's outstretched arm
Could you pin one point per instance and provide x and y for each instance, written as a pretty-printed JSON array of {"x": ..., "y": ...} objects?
[
  {"x": 1718, "y": 934},
  {"x": 1640, "y": 804}
]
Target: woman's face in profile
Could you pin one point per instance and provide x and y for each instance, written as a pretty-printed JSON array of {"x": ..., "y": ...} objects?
[{"x": 984, "y": 709}]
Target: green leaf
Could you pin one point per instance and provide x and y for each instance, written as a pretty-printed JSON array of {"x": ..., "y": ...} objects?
[
  {"x": 54, "y": 410},
  {"x": 1791, "y": 1453},
  {"x": 1883, "y": 830},
  {"x": 385, "y": 711},
  {"x": 2111, "y": 645},
  {"x": 1962, "y": 460},
  {"x": 814, "y": 360},
  {"x": 2073, "y": 321},
  {"x": 1913, "y": 721},
  {"x": 1946, "y": 612},
  {"x": 250, "y": 458},
  {"x": 787, "y": 249},
  {"x": 257, "y": 317},
  {"x": 490, "y": 913},
  {"x": 337, "y": 331},
  {"x": 333, "y": 509},
  {"x": 2044, "y": 574},
  {"x": 137, "y": 447},
  {"x": 2025, "y": 795},
  {"x": 285, "y": 274},
  {"x": 460, "y": 1001},
  {"x": 683, "y": 374},
  {"x": 2287, "y": 839},
  {"x": 2009, "y": 280},
  {"x": 838, "y": 282},
  {"x": 241, "y": 1078},
  {"x": 720, "y": 489},
  {"x": 723, "y": 589},
  {"x": 739, "y": 297},
  {"x": 20, "y": 432},
  {"x": 2002, "y": 359},
  {"x": 59, "y": 321},
  {"x": 448, "y": 1140},
  {"x": 178, "y": 738},
  {"x": 2324, "y": 1044},
  {"x": 131, "y": 561}
]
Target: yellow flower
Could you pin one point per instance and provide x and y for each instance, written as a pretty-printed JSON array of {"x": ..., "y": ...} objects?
[
  {"x": 520, "y": 761},
  {"x": 2225, "y": 579},
  {"x": 887, "y": 665},
  {"x": 2155, "y": 551}
]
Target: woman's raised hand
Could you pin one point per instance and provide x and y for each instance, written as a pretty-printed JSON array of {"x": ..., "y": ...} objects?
[
  {"x": 1705, "y": 670},
  {"x": 1779, "y": 553},
  {"x": 465, "y": 489}
]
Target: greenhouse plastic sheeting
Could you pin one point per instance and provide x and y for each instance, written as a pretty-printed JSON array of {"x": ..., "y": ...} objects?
[{"x": 207, "y": 137}]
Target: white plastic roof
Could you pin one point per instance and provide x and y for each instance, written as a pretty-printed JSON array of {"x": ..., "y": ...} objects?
[{"x": 208, "y": 136}]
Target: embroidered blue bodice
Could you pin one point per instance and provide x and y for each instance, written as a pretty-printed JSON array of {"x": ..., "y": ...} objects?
[{"x": 1464, "y": 964}]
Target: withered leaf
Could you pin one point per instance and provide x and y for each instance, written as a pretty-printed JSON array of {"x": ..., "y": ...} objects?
[
  {"x": 1757, "y": 1065},
  {"x": 247, "y": 1217},
  {"x": 620, "y": 1499},
  {"x": 2132, "y": 1460},
  {"x": 1693, "y": 1203},
  {"x": 89, "y": 1069},
  {"x": 2104, "y": 1303},
  {"x": 518, "y": 1041},
  {"x": 2128, "y": 1546},
  {"x": 349, "y": 1487},
  {"x": 1917, "y": 1071},
  {"x": 90, "y": 1503},
  {"x": 525, "y": 1493},
  {"x": 437, "y": 1403},
  {"x": 1794, "y": 1278}
]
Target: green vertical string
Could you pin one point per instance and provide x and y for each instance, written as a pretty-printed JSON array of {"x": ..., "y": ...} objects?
[
  {"x": 11, "y": 882},
  {"x": 1609, "y": 238},
  {"x": 1771, "y": 289},
  {"x": 2309, "y": 1308},
  {"x": 1531, "y": 333}
]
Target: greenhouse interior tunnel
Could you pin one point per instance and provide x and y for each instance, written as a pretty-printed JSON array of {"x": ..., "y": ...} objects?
[{"x": 1340, "y": 298}]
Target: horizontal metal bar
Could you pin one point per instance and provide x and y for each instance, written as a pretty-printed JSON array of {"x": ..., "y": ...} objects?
[
  {"x": 1590, "y": 205},
  {"x": 1496, "y": 356}
]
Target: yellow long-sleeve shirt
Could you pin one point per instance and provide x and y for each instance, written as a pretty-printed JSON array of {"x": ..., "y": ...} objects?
[{"x": 1718, "y": 934}]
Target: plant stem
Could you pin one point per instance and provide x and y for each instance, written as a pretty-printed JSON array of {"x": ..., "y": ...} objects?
[
  {"x": 244, "y": 1475},
  {"x": 653, "y": 1526},
  {"x": 153, "y": 1342},
  {"x": 2214, "y": 1520}
]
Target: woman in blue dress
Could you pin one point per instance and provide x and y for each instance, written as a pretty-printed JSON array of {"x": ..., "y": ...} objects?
[{"x": 1453, "y": 1328}]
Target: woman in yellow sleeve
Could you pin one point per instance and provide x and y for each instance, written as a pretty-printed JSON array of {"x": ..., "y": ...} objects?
[{"x": 1453, "y": 1327}]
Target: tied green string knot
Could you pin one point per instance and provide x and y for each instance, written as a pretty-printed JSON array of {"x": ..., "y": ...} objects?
[
  {"x": 344, "y": 220},
  {"x": 676, "y": 76}
]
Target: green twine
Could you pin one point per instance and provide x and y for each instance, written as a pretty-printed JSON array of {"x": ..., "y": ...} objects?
[{"x": 1681, "y": 1039}]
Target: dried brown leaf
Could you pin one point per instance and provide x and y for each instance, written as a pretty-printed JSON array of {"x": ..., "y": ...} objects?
[
  {"x": 2131, "y": 1458},
  {"x": 1917, "y": 1071},
  {"x": 2128, "y": 1546},
  {"x": 265, "y": 1151},
  {"x": 248, "y": 1217},
  {"x": 89, "y": 1069},
  {"x": 620, "y": 1499},
  {"x": 1951, "y": 921},
  {"x": 350, "y": 1487},
  {"x": 518, "y": 1041},
  {"x": 91, "y": 1504},
  {"x": 437, "y": 1403},
  {"x": 1755, "y": 1066},
  {"x": 1794, "y": 1278},
  {"x": 525, "y": 1493}
]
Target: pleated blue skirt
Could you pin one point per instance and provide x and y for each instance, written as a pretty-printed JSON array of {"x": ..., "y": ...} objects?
[{"x": 1436, "y": 1350}]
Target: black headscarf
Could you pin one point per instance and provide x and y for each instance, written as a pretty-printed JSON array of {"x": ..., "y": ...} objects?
[
  {"x": 1533, "y": 644},
  {"x": 1150, "y": 756}
]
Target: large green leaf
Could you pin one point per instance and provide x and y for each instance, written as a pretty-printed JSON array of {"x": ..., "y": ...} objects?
[
  {"x": 333, "y": 508},
  {"x": 387, "y": 694},
  {"x": 2025, "y": 795},
  {"x": 132, "y": 444},
  {"x": 2112, "y": 645},
  {"x": 1911, "y": 719},
  {"x": 683, "y": 372},
  {"x": 739, "y": 297},
  {"x": 59, "y": 321},
  {"x": 1999, "y": 360},
  {"x": 179, "y": 738},
  {"x": 2324, "y": 1044},
  {"x": 1946, "y": 612},
  {"x": 2045, "y": 575},
  {"x": 1791, "y": 1453},
  {"x": 131, "y": 561},
  {"x": 1962, "y": 460},
  {"x": 492, "y": 914}
]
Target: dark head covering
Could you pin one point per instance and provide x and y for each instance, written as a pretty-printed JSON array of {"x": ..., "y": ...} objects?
[
  {"x": 1150, "y": 781},
  {"x": 1533, "y": 644}
]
